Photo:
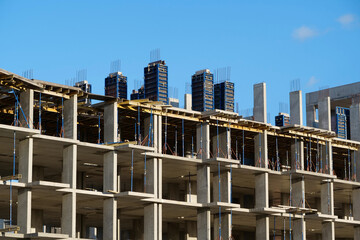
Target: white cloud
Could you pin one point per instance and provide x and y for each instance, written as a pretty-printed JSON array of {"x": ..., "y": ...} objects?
[
  {"x": 312, "y": 81},
  {"x": 346, "y": 19},
  {"x": 303, "y": 33}
]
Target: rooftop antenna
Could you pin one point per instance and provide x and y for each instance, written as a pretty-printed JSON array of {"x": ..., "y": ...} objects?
[
  {"x": 81, "y": 75},
  {"x": 115, "y": 66},
  {"x": 28, "y": 74},
  {"x": 188, "y": 88},
  {"x": 283, "y": 107},
  {"x": 222, "y": 74},
  {"x": 155, "y": 55},
  {"x": 295, "y": 85}
]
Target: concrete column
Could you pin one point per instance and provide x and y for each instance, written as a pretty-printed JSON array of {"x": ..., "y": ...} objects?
[
  {"x": 260, "y": 109},
  {"x": 27, "y": 105},
  {"x": 203, "y": 196},
  {"x": 153, "y": 222},
  {"x": 225, "y": 187},
  {"x": 70, "y": 117},
  {"x": 260, "y": 115},
  {"x": 173, "y": 232},
  {"x": 356, "y": 233},
  {"x": 110, "y": 175},
  {"x": 224, "y": 139},
  {"x": 190, "y": 231},
  {"x": 24, "y": 195},
  {"x": 262, "y": 228},
  {"x": 151, "y": 177},
  {"x": 110, "y": 205},
  {"x": 225, "y": 226},
  {"x": 69, "y": 165},
  {"x": 262, "y": 201},
  {"x": 110, "y": 122},
  {"x": 327, "y": 207},
  {"x": 328, "y": 231},
  {"x": 24, "y": 210},
  {"x": 261, "y": 150},
  {"x": 297, "y": 154},
  {"x": 109, "y": 218},
  {"x": 188, "y": 101},
  {"x": 296, "y": 111},
  {"x": 203, "y": 140},
  {"x": 298, "y": 200},
  {"x": 262, "y": 190},
  {"x": 225, "y": 195},
  {"x": 310, "y": 115},
  {"x": 356, "y": 204},
  {"x": 110, "y": 171},
  {"x": 26, "y": 160},
  {"x": 68, "y": 220},
  {"x": 325, "y": 114}
]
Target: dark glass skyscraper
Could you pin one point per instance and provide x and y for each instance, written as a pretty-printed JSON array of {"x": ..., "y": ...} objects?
[
  {"x": 116, "y": 85},
  {"x": 224, "y": 96},
  {"x": 156, "y": 81},
  {"x": 202, "y": 84}
]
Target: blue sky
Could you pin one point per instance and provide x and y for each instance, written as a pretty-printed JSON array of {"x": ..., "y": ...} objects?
[{"x": 272, "y": 41}]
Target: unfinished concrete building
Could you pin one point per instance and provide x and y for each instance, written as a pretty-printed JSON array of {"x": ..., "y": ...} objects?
[{"x": 143, "y": 170}]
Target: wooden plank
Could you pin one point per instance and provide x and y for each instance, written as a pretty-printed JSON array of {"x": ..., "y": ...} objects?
[{"x": 7, "y": 178}]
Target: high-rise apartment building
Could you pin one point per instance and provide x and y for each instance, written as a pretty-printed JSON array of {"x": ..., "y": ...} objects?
[
  {"x": 202, "y": 85},
  {"x": 156, "y": 81},
  {"x": 224, "y": 96},
  {"x": 116, "y": 85},
  {"x": 86, "y": 87}
]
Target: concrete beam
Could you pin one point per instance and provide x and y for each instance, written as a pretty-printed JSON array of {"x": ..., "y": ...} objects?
[
  {"x": 70, "y": 117},
  {"x": 27, "y": 105},
  {"x": 110, "y": 123}
]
